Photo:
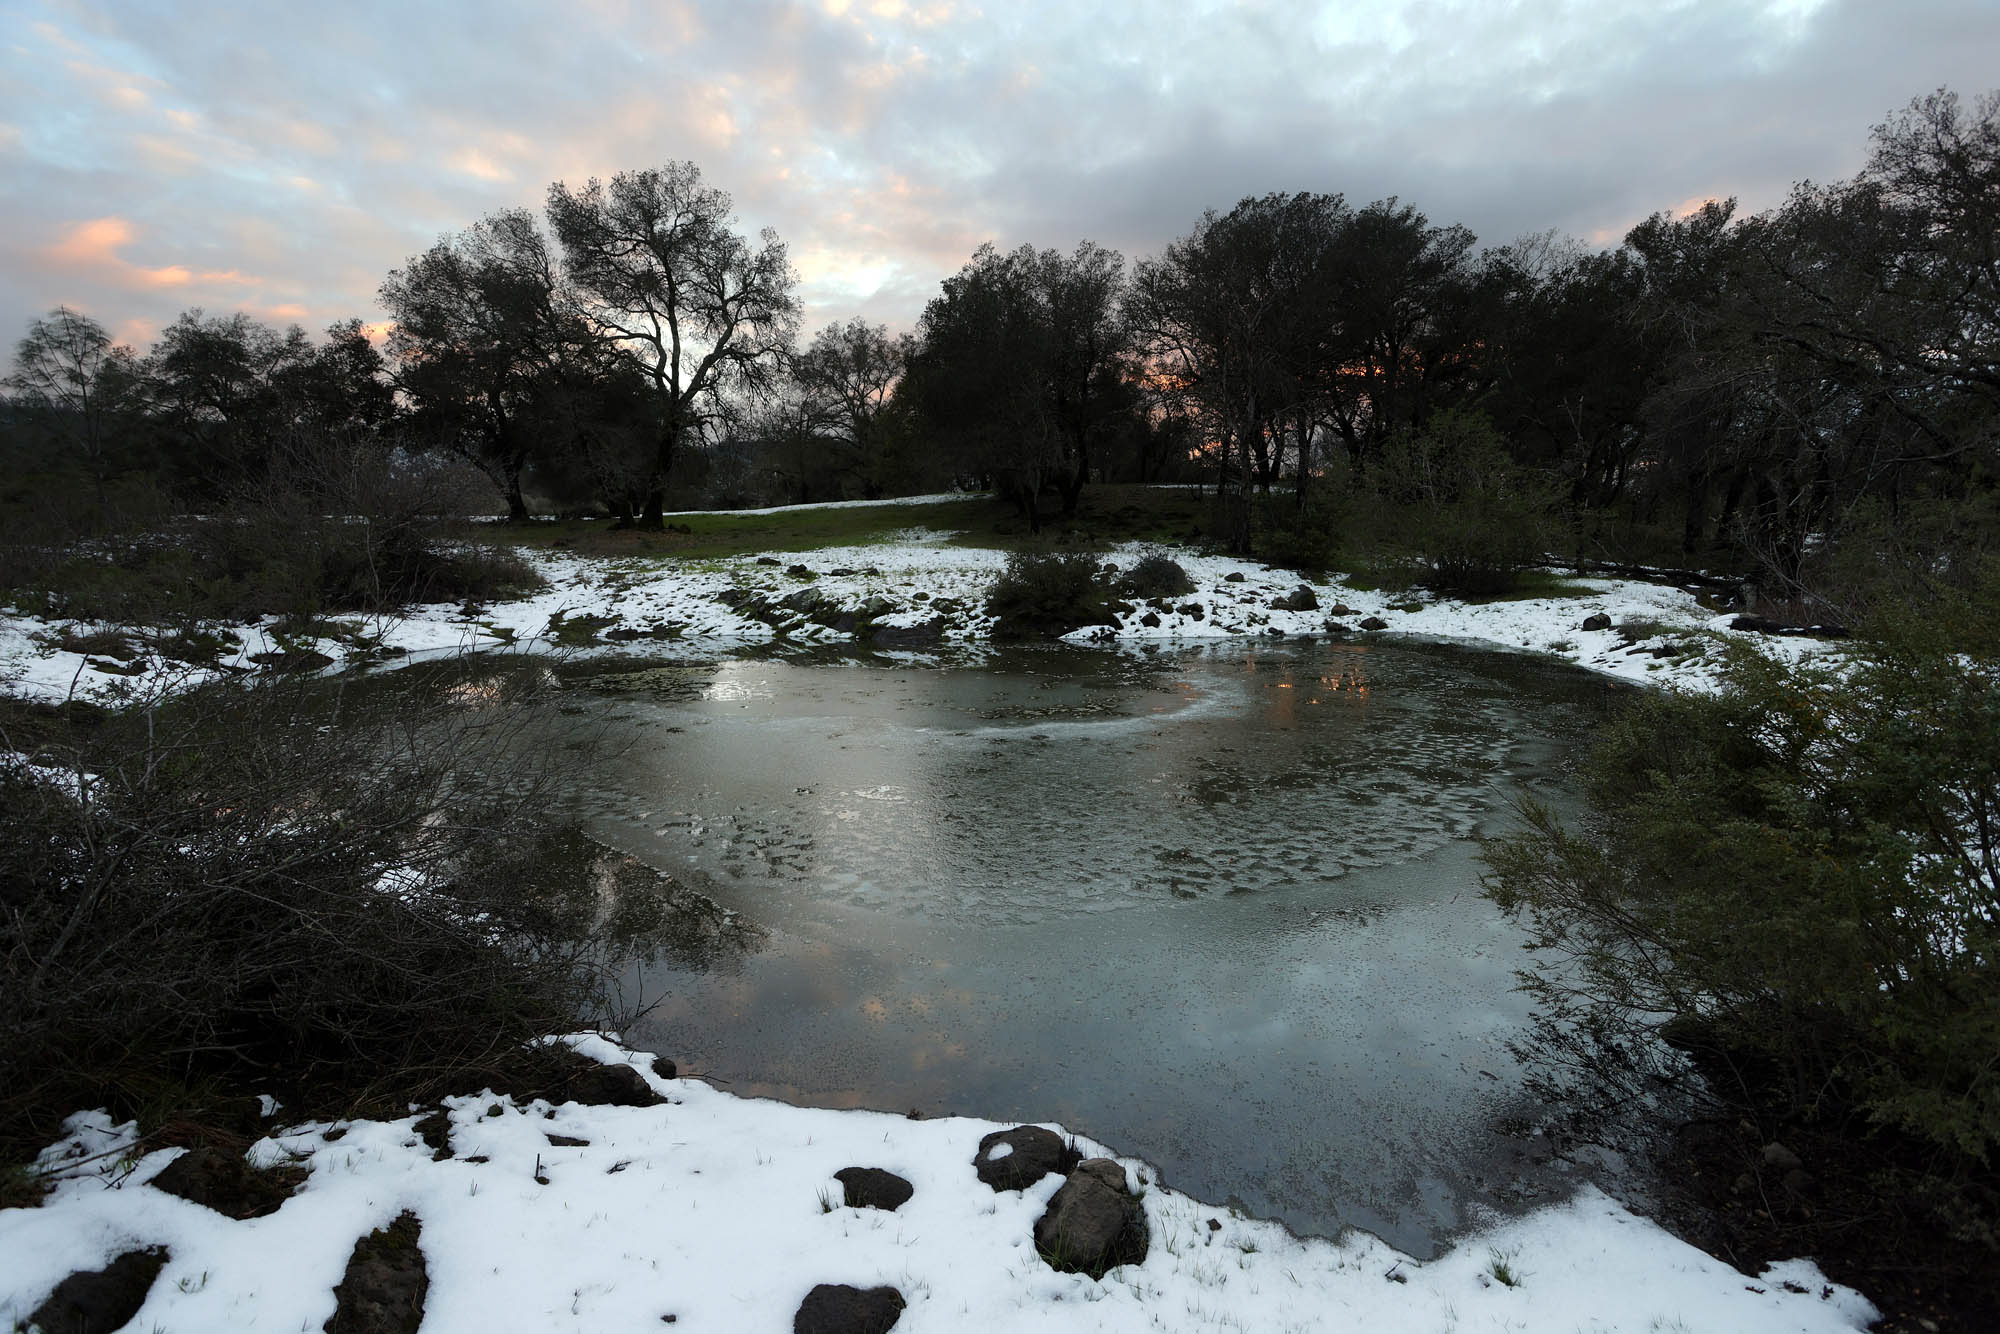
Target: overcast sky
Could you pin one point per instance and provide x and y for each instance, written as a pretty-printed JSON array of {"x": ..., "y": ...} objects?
[{"x": 281, "y": 158}]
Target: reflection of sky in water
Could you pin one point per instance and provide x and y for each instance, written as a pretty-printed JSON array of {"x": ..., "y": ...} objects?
[{"x": 1216, "y": 910}]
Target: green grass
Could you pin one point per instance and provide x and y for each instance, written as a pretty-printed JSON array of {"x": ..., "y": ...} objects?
[
  {"x": 1534, "y": 584},
  {"x": 1105, "y": 514}
]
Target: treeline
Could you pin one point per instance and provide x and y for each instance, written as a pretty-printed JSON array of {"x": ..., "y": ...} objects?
[{"x": 1807, "y": 395}]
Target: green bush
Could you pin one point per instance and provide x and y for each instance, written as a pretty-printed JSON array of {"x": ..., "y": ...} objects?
[
  {"x": 1795, "y": 881},
  {"x": 1472, "y": 516},
  {"x": 1046, "y": 595},
  {"x": 1294, "y": 537},
  {"x": 1156, "y": 576}
]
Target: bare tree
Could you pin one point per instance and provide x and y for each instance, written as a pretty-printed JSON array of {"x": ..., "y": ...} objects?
[{"x": 68, "y": 367}]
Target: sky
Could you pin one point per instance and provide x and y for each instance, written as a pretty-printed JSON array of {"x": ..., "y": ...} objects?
[{"x": 281, "y": 159}]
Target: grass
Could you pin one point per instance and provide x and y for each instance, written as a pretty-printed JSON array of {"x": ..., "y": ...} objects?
[
  {"x": 1500, "y": 1264},
  {"x": 1105, "y": 514}
]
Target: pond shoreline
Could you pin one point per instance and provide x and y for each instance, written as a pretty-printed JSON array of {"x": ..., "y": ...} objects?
[
  {"x": 1587, "y": 1260},
  {"x": 912, "y": 594}
]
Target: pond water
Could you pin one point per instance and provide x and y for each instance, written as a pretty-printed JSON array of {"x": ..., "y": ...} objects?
[{"x": 1217, "y": 907}]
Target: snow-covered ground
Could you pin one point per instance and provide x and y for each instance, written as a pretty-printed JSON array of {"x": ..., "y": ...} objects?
[
  {"x": 917, "y": 579},
  {"x": 711, "y": 1209},
  {"x": 722, "y": 1213}
]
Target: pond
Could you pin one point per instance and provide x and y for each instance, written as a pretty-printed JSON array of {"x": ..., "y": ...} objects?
[{"x": 1217, "y": 907}]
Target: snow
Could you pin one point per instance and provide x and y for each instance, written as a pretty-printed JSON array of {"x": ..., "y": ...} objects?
[
  {"x": 723, "y": 1212},
  {"x": 914, "y": 572},
  {"x": 710, "y": 1209}
]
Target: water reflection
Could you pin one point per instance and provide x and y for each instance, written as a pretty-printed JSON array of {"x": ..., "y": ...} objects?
[{"x": 1216, "y": 907}]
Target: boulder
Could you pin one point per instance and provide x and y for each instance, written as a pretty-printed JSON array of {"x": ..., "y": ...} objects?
[
  {"x": 665, "y": 1068},
  {"x": 1093, "y": 1224},
  {"x": 225, "y": 1183},
  {"x": 383, "y": 1289},
  {"x": 1018, "y": 1158},
  {"x": 769, "y": 560},
  {"x": 1150, "y": 620},
  {"x": 611, "y": 1086},
  {"x": 1233, "y": 577},
  {"x": 101, "y": 1299},
  {"x": 805, "y": 601},
  {"x": 799, "y": 572},
  {"x": 873, "y": 1188},
  {"x": 924, "y": 634},
  {"x": 836, "y": 1308},
  {"x": 1600, "y": 621},
  {"x": 1374, "y": 623},
  {"x": 1340, "y": 609},
  {"x": 1776, "y": 1155},
  {"x": 1301, "y": 598}
]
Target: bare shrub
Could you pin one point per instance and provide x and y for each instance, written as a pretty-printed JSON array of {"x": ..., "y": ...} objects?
[{"x": 319, "y": 888}]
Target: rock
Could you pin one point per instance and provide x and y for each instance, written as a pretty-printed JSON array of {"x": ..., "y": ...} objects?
[
  {"x": 386, "y": 1281},
  {"x": 1374, "y": 623},
  {"x": 611, "y": 1086},
  {"x": 665, "y": 1068},
  {"x": 623, "y": 632},
  {"x": 924, "y": 634},
  {"x": 799, "y": 572},
  {"x": 1600, "y": 621},
  {"x": 1093, "y": 1224},
  {"x": 1338, "y": 628},
  {"x": 841, "y": 573},
  {"x": 805, "y": 601},
  {"x": 435, "y": 1130},
  {"x": 1780, "y": 1158},
  {"x": 1341, "y": 609},
  {"x": 1150, "y": 620},
  {"x": 835, "y": 1308},
  {"x": 1301, "y": 598},
  {"x": 101, "y": 1299},
  {"x": 565, "y": 1141},
  {"x": 1762, "y": 625},
  {"x": 873, "y": 1188},
  {"x": 1018, "y": 1158},
  {"x": 225, "y": 1183},
  {"x": 768, "y": 560},
  {"x": 1233, "y": 577}
]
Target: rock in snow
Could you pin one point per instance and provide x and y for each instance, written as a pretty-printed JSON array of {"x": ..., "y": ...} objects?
[
  {"x": 1093, "y": 1223},
  {"x": 1018, "y": 1158}
]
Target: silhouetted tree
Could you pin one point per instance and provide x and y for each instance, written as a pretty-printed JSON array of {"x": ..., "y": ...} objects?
[
  {"x": 483, "y": 333},
  {"x": 693, "y": 306}
]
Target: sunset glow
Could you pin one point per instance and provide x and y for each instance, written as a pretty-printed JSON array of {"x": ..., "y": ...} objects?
[{"x": 884, "y": 139}]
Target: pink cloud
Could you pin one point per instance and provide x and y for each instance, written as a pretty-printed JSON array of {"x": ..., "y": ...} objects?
[{"x": 92, "y": 248}]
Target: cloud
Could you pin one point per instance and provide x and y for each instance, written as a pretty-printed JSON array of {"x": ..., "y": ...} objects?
[
  {"x": 91, "y": 250},
  {"x": 884, "y": 139}
]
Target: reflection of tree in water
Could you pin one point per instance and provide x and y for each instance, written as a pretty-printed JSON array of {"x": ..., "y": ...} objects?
[{"x": 648, "y": 916}]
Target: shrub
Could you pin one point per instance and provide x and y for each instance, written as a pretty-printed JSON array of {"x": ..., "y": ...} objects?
[
  {"x": 1046, "y": 595},
  {"x": 310, "y": 886},
  {"x": 1292, "y": 537},
  {"x": 1156, "y": 576},
  {"x": 1794, "y": 882},
  {"x": 1473, "y": 516}
]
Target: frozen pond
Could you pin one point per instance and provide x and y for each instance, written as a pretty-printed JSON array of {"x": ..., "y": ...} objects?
[{"x": 1215, "y": 906}]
